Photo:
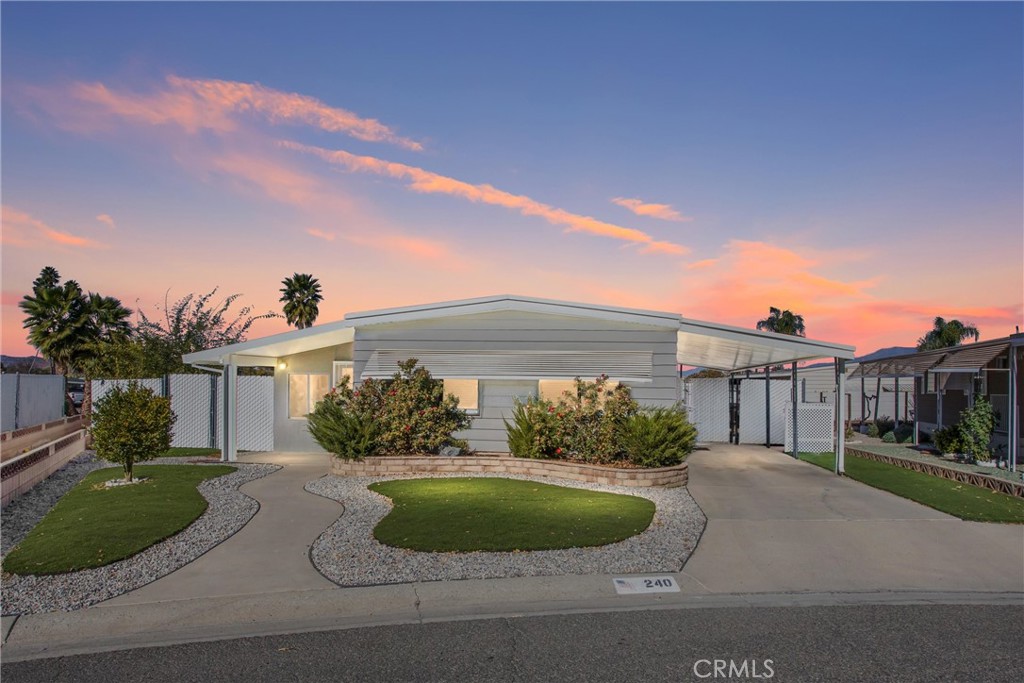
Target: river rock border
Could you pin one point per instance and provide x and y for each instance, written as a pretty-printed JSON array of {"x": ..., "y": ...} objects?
[
  {"x": 229, "y": 510},
  {"x": 349, "y": 555},
  {"x": 676, "y": 475}
]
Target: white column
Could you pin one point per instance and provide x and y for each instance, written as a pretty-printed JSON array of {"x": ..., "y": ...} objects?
[
  {"x": 229, "y": 407},
  {"x": 795, "y": 394},
  {"x": 840, "y": 416}
]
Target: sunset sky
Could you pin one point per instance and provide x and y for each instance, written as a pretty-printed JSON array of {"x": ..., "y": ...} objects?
[{"x": 859, "y": 164}]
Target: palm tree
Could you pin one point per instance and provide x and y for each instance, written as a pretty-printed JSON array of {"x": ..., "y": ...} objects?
[
  {"x": 945, "y": 334},
  {"x": 782, "y": 322},
  {"x": 301, "y": 294}
]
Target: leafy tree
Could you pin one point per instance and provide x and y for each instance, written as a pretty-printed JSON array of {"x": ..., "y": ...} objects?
[
  {"x": 131, "y": 425},
  {"x": 945, "y": 334},
  {"x": 301, "y": 294},
  {"x": 782, "y": 322},
  {"x": 192, "y": 323}
]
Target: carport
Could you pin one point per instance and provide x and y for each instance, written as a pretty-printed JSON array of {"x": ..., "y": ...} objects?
[{"x": 736, "y": 349}]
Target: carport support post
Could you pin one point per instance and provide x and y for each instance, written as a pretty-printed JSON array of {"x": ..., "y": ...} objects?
[
  {"x": 795, "y": 396},
  {"x": 840, "y": 416},
  {"x": 767, "y": 406},
  {"x": 229, "y": 401}
]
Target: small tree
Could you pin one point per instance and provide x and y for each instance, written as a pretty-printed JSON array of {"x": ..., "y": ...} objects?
[
  {"x": 131, "y": 425},
  {"x": 976, "y": 426}
]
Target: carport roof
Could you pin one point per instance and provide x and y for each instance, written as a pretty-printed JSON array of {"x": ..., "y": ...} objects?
[{"x": 701, "y": 344}]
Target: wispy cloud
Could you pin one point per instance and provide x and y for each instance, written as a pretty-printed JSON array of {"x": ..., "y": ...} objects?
[
  {"x": 421, "y": 180},
  {"x": 22, "y": 230},
  {"x": 204, "y": 104},
  {"x": 664, "y": 212},
  {"x": 698, "y": 265},
  {"x": 320, "y": 234},
  {"x": 106, "y": 220}
]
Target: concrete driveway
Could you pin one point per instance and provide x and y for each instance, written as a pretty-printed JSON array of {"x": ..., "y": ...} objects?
[{"x": 779, "y": 525}]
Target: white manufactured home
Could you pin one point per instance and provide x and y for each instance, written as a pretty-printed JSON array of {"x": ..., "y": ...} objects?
[{"x": 490, "y": 351}]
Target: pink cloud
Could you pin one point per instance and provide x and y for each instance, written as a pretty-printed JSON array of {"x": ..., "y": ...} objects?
[
  {"x": 664, "y": 212},
  {"x": 22, "y": 230},
  {"x": 420, "y": 180},
  {"x": 699, "y": 265},
  {"x": 106, "y": 220},
  {"x": 320, "y": 234},
  {"x": 202, "y": 104}
]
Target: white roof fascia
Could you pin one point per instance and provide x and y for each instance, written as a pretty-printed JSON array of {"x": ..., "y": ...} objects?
[
  {"x": 495, "y": 304},
  {"x": 278, "y": 345}
]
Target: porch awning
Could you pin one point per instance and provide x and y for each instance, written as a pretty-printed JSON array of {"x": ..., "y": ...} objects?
[
  {"x": 970, "y": 359},
  {"x": 626, "y": 366}
]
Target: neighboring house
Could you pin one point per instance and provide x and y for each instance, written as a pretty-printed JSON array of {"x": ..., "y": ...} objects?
[
  {"x": 947, "y": 380},
  {"x": 493, "y": 350}
]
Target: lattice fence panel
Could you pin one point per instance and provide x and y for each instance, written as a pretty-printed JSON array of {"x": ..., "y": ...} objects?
[
  {"x": 255, "y": 413},
  {"x": 191, "y": 397},
  {"x": 752, "y": 412},
  {"x": 707, "y": 403},
  {"x": 815, "y": 428}
]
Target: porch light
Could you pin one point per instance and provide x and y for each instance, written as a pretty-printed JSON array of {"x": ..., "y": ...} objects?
[{"x": 281, "y": 365}]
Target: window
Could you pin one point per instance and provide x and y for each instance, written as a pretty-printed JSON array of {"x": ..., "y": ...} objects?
[
  {"x": 303, "y": 393},
  {"x": 552, "y": 389},
  {"x": 343, "y": 368},
  {"x": 467, "y": 391}
]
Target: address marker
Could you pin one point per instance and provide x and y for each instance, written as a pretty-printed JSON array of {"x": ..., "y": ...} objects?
[{"x": 645, "y": 584}]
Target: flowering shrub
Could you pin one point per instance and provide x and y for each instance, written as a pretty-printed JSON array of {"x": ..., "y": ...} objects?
[
  {"x": 409, "y": 411},
  {"x": 583, "y": 425}
]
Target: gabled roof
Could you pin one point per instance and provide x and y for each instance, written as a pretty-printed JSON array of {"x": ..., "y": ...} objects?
[{"x": 700, "y": 343}]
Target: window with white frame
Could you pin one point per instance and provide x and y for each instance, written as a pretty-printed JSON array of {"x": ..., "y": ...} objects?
[
  {"x": 467, "y": 391},
  {"x": 304, "y": 390},
  {"x": 343, "y": 368}
]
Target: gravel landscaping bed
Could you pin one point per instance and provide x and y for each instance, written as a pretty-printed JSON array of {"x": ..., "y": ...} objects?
[
  {"x": 229, "y": 510},
  {"x": 348, "y": 554}
]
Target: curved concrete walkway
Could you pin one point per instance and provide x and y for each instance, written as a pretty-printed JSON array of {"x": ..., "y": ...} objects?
[
  {"x": 776, "y": 524},
  {"x": 271, "y": 553}
]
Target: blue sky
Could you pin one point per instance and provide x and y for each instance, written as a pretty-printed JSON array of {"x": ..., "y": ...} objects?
[{"x": 871, "y": 152}]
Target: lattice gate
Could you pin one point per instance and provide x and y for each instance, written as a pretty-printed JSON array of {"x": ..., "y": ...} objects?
[
  {"x": 752, "y": 409},
  {"x": 815, "y": 429}
]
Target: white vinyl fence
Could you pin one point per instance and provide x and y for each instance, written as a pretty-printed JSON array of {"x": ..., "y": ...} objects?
[
  {"x": 195, "y": 401},
  {"x": 30, "y": 400},
  {"x": 815, "y": 428}
]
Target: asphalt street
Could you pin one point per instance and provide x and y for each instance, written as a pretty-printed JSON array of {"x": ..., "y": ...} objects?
[{"x": 904, "y": 643}]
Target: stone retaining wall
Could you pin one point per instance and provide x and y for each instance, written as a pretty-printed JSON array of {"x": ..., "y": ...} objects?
[{"x": 378, "y": 466}]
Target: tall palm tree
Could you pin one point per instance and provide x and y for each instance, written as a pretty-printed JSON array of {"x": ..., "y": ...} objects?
[
  {"x": 782, "y": 322},
  {"x": 301, "y": 294},
  {"x": 945, "y": 334},
  {"x": 56, "y": 320}
]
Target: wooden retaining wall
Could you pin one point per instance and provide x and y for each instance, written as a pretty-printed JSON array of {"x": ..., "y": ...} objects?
[
  {"x": 20, "y": 474},
  {"x": 984, "y": 481},
  {"x": 377, "y": 466}
]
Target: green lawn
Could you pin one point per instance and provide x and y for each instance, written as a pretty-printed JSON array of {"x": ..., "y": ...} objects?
[
  {"x": 464, "y": 514},
  {"x": 92, "y": 526},
  {"x": 181, "y": 452},
  {"x": 960, "y": 500}
]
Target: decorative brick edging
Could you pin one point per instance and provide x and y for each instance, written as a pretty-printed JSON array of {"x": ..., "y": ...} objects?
[
  {"x": 984, "y": 481},
  {"x": 376, "y": 466}
]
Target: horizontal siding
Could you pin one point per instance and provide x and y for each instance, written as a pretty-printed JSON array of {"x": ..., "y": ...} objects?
[{"x": 512, "y": 320}]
